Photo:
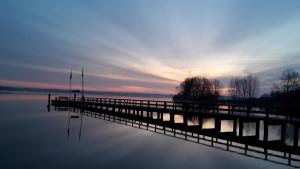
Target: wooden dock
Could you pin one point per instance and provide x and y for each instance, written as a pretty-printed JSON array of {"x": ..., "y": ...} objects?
[{"x": 160, "y": 116}]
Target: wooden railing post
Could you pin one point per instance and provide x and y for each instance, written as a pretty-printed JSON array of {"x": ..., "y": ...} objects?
[{"x": 296, "y": 135}]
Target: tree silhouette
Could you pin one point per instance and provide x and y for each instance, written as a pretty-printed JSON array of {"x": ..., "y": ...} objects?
[
  {"x": 290, "y": 80},
  {"x": 198, "y": 88},
  {"x": 286, "y": 94},
  {"x": 245, "y": 88}
]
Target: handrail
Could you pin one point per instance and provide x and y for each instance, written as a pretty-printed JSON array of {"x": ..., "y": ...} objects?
[{"x": 218, "y": 105}]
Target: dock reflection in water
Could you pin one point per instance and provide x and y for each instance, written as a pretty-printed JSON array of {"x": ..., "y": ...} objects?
[{"x": 249, "y": 129}]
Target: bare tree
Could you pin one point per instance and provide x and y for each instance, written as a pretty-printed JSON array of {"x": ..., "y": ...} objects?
[
  {"x": 290, "y": 80},
  {"x": 185, "y": 87},
  {"x": 216, "y": 86},
  {"x": 244, "y": 88},
  {"x": 197, "y": 88}
]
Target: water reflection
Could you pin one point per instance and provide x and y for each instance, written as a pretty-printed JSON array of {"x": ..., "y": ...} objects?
[
  {"x": 23, "y": 97},
  {"x": 193, "y": 121},
  {"x": 178, "y": 118},
  {"x": 166, "y": 117},
  {"x": 208, "y": 123},
  {"x": 249, "y": 129},
  {"x": 44, "y": 143},
  {"x": 227, "y": 126},
  {"x": 71, "y": 118}
]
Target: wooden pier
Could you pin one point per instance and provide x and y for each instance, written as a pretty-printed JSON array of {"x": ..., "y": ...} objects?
[{"x": 185, "y": 120}]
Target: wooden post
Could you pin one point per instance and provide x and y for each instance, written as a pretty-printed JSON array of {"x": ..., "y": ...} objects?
[
  {"x": 185, "y": 125},
  {"x": 266, "y": 133},
  {"x": 234, "y": 126},
  {"x": 148, "y": 114},
  {"x": 257, "y": 129},
  {"x": 172, "y": 118},
  {"x": 296, "y": 135},
  {"x": 241, "y": 128},
  {"x": 289, "y": 162},
  {"x": 248, "y": 110},
  {"x": 283, "y": 128},
  {"x": 218, "y": 125},
  {"x": 266, "y": 126}
]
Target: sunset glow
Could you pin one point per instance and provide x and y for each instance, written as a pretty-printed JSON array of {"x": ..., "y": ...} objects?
[{"x": 146, "y": 46}]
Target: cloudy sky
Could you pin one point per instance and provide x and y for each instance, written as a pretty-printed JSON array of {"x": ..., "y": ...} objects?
[{"x": 146, "y": 45}]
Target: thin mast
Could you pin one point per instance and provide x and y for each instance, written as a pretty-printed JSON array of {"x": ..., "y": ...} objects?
[
  {"x": 82, "y": 89},
  {"x": 70, "y": 83}
]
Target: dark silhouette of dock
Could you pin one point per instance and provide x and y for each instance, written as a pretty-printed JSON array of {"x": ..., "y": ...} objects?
[{"x": 159, "y": 116}]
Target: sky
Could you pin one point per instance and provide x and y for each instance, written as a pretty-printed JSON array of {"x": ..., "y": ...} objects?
[{"x": 146, "y": 45}]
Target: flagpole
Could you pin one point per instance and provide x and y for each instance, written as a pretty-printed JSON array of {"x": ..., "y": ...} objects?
[
  {"x": 82, "y": 90},
  {"x": 70, "y": 84},
  {"x": 68, "y": 131}
]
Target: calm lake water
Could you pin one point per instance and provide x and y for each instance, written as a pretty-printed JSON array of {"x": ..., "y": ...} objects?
[{"x": 32, "y": 138}]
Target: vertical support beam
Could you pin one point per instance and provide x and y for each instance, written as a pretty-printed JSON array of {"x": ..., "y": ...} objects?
[
  {"x": 185, "y": 125},
  {"x": 132, "y": 117},
  {"x": 257, "y": 129},
  {"x": 126, "y": 115},
  {"x": 200, "y": 126},
  {"x": 296, "y": 135},
  {"x": 241, "y": 128},
  {"x": 218, "y": 125},
  {"x": 248, "y": 110},
  {"x": 235, "y": 126},
  {"x": 148, "y": 114},
  {"x": 200, "y": 122},
  {"x": 49, "y": 100},
  {"x": 174, "y": 132},
  {"x": 289, "y": 160},
  {"x": 172, "y": 118},
  {"x": 266, "y": 133},
  {"x": 227, "y": 143},
  {"x": 283, "y": 128},
  {"x": 114, "y": 106}
]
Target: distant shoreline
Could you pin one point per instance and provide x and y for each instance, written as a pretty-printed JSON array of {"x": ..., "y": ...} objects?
[{"x": 15, "y": 90}]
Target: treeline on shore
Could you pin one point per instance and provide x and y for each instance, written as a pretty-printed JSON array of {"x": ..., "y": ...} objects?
[{"x": 285, "y": 93}]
